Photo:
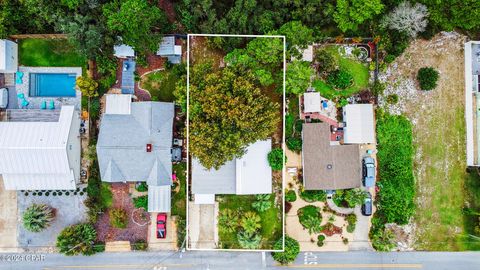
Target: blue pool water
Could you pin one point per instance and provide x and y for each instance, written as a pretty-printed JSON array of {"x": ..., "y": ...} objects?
[{"x": 52, "y": 85}]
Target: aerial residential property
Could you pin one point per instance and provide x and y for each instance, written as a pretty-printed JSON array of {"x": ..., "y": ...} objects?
[{"x": 148, "y": 134}]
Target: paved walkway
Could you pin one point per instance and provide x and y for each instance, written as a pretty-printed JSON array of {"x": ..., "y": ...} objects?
[
  {"x": 8, "y": 219},
  {"x": 340, "y": 210}
]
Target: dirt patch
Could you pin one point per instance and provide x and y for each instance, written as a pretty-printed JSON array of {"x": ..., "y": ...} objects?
[
  {"x": 438, "y": 136},
  {"x": 133, "y": 232}
]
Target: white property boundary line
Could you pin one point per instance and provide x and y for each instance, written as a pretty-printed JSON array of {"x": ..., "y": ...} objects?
[{"x": 283, "y": 137}]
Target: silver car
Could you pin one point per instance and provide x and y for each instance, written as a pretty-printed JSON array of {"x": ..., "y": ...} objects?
[{"x": 368, "y": 172}]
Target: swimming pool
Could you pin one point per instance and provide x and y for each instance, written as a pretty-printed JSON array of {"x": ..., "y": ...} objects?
[{"x": 52, "y": 84}]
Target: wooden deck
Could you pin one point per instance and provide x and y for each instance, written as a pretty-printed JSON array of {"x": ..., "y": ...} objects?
[{"x": 21, "y": 115}]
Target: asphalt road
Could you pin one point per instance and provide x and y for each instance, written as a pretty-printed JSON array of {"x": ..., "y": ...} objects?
[{"x": 244, "y": 260}]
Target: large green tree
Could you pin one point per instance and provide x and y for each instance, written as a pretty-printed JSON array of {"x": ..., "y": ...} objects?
[
  {"x": 450, "y": 14},
  {"x": 227, "y": 113},
  {"x": 139, "y": 23},
  {"x": 349, "y": 14},
  {"x": 298, "y": 36},
  {"x": 298, "y": 77}
]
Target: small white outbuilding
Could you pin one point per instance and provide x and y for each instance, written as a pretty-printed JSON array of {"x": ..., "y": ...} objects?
[
  {"x": 359, "y": 127},
  {"x": 8, "y": 56}
]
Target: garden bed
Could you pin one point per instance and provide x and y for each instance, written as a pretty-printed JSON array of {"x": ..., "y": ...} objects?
[{"x": 356, "y": 68}]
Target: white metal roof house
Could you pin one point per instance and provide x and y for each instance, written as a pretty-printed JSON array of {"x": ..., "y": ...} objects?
[
  {"x": 123, "y": 51},
  {"x": 167, "y": 48},
  {"x": 250, "y": 174},
  {"x": 42, "y": 155},
  {"x": 134, "y": 144},
  {"x": 359, "y": 126},
  {"x": 472, "y": 101},
  {"x": 8, "y": 56}
]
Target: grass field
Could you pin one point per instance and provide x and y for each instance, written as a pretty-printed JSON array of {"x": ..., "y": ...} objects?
[
  {"x": 49, "y": 53},
  {"x": 271, "y": 229},
  {"x": 443, "y": 186},
  {"x": 358, "y": 70},
  {"x": 160, "y": 84}
]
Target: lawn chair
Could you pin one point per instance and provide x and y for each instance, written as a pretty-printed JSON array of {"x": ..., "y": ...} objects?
[
  {"x": 25, "y": 103},
  {"x": 43, "y": 106},
  {"x": 51, "y": 105},
  {"x": 18, "y": 77}
]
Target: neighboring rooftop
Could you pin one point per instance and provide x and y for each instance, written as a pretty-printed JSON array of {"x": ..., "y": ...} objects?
[
  {"x": 123, "y": 51},
  {"x": 169, "y": 49},
  {"x": 8, "y": 56},
  {"x": 250, "y": 174},
  {"x": 124, "y": 139},
  {"x": 359, "y": 124},
  {"x": 328, "y": 166},
  {"x": 41, "y": 155}
]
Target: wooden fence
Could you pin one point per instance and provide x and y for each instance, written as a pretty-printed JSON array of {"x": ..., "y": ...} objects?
[{"x": 43, "y": 36}]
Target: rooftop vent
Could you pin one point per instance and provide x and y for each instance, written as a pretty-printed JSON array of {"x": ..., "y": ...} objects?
[
  {"x": 149, "y": 147},
  {"x": 329, "y": 166}
]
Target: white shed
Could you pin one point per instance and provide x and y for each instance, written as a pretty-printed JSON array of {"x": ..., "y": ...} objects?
[
  {"x": 123, "y": 51},
  {"x": 359, "y": 124},
  {"x": 8, "y": 56},
  {"x": 311, "y": 102}
]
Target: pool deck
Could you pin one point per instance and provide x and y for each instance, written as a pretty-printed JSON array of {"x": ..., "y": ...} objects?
[{"x": 35, "y": 102}]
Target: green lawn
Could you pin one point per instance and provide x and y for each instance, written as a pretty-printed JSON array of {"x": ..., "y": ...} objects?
[
  {"x": 49, "y": 53},
  {"x": 271, "y": 221},
  {"x": 160, "y": 84},
  {"x": 358, "y": 70},
  {"x": 179, "y": 199}
]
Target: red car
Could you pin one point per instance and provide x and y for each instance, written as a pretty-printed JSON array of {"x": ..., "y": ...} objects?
[{"x": 161, "y": 225}]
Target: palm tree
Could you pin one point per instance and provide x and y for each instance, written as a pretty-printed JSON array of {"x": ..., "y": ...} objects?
[
  {"x": 37, "y": 217},
  {"x": 249, "y": 240},
  {"x": 251, "y": 222},
  {"x": 228, "y": 220}
]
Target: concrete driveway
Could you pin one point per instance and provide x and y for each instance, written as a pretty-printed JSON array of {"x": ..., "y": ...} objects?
[
  {"x": 202, "y": 225},
  {"x": 8, "y": 219},
  {"x": 167, "y": 243}
]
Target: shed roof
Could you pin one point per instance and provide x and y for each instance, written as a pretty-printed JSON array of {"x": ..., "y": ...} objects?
[
  {"x": 122, "y": 142},
  {"x": 168, "y": 48},
  {"x": 359, "y": 122},
  {"x": 326, "y": 166},
  {"x": 123, "y": 51},
  {"x": 311, "y": 102}
]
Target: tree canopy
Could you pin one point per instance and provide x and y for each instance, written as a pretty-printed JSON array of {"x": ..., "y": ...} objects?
[
  {"x": 227, "y": 113},
  {"x": 298, "y": 77},
  {"x": 349, "y": 14}
]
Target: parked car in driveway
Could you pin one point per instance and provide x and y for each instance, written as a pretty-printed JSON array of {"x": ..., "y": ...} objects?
[
  {"x": 367, "y": 206},
  {"x": 3, "y": 98},
  {"x": 161, "y": 225},
  {"x": 368, "y": 172}
]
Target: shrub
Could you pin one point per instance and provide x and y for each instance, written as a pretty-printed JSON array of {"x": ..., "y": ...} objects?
[
  {"x": 142, "y": 187},
  {"x": 275, "y": 159},
  {"x": 427, "y": 77},
  {"x": 99, "y": 247},
  {"x": 118, "y": 218},
  {"x": 310, "y": 218},
  {"x": 292, "y": 248},
  {"x": 313, "y": 195},
  {"x": 263, "y": 203},
  {"x": 249, "y": 240},
  {"x": 389, "y": 58},
  {"x": 349, "y": 197},
  {"x": 37, "y": 217},
  {"x": 330, "y": 229},
  {"x": 326, "y": 61},
  {"x": 320, "y": 240},
  {"x": 228, "y": 220},
  {"x": 290, "y": 196},
  {"x": 340, "y": 79},
  {"x": 392, "y": 99},
  {"x": 77, "y": 239},
  {"x": 345, "y": 241},
  {"x": 141, "y": 202},
  {"x": 294, "y": 144},
  {"x": 250, "y": 222},
  {"x": 140, "y": 245},
  {"x": 378, "y": 88},
  {"x": 351, "y": 228}
]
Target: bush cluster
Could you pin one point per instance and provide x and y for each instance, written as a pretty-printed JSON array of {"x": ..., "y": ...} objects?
[
  {"x": 427, "y": 78},
  {"x": 275, "y": 159},
  {"x": 313, "y": 195}
]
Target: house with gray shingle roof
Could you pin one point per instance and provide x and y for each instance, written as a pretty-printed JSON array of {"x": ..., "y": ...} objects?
[{"x": 134, "y": 145}]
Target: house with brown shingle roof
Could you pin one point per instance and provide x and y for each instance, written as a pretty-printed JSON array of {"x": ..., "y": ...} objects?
[{"x": 328, "y": 165}]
